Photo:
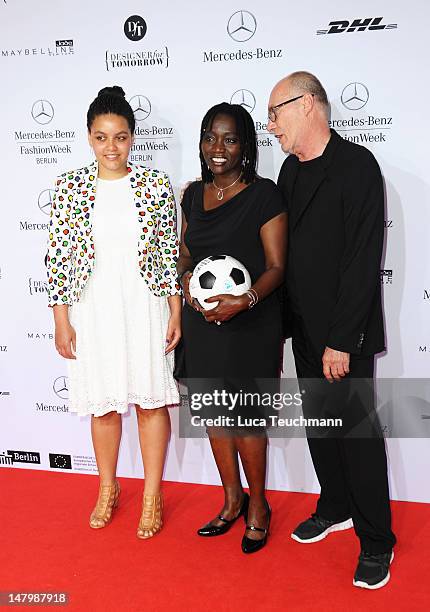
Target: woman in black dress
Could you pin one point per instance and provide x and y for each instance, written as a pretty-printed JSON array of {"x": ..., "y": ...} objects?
[{"x": 234, "y": 212}]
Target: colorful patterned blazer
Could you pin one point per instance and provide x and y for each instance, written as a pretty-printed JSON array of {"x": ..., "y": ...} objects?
[{"x": 71, "y": 255}]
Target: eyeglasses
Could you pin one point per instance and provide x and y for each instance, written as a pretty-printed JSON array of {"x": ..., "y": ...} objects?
[{"x": 272, "y": 111}]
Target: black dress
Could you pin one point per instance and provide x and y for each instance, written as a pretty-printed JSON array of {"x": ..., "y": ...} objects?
[{"x": 249, "y": 344}]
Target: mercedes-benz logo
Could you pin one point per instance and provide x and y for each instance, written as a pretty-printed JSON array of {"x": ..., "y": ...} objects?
[
  {"x": 354, "y": 96},
  {"x": 141, "y": 107},
  {"x": 241, "y": 26},
  {"x": 44, "y": 200},
  {"x": 42, "y": 112},
  {"x": 61, "y": 388},
  {"x": 245, "y": 98}
]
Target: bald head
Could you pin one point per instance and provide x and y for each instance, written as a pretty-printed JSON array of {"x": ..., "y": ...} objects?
[
  {"x": 298, "y": 115},
  {"x": 302, "y": 82}
]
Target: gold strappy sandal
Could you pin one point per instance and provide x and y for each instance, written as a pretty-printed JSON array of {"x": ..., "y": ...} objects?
[
  {"x": 151, "y": 520},
  {"x": 108, "y": 498}
]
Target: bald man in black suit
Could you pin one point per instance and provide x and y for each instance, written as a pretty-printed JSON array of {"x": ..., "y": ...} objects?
[{"x": 334, "y": 193}]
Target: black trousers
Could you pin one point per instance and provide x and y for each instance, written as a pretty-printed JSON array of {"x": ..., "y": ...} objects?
[{"x": 351, "y": 465}]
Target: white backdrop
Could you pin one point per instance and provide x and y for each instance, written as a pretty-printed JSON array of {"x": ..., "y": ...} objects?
[{"x": 55, "y": 56}]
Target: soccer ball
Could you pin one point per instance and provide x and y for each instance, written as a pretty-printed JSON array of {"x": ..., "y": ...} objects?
[{"x": 218, "y": 274}]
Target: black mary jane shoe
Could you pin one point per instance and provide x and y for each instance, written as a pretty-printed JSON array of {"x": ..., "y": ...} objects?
[
  {"x": 209, "y": 530},
  {"x": 252, "y": 546}
]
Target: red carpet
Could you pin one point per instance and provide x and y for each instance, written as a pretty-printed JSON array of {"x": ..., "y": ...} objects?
[{"x": 46, "y": 545}]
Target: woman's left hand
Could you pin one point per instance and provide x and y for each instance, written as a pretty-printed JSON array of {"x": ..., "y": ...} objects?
[
  {"x": 228, "y": 306},
  {"x": 173, "y": 334}
]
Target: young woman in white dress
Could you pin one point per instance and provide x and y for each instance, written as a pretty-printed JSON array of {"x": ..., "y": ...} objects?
[{"x": 111, "y": 264}]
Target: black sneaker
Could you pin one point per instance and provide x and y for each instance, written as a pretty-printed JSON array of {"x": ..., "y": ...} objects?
[
  {"x": 373, "y": 571},
  {"x": 317, "y": 528}
]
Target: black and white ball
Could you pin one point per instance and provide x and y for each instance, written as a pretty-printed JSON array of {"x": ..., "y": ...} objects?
[{"x": 218, "y": 274}]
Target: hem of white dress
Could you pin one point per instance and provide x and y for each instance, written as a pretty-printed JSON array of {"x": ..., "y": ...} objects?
[{"x": 123, "y": 408}]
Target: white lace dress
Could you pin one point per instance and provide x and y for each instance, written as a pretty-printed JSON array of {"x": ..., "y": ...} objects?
[{"x": 120, "y": 325}]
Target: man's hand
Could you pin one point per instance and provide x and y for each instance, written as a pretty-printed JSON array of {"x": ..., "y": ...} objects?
[{"x": 335, "y": 364}]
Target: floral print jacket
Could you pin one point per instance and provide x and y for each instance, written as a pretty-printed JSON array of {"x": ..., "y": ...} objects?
[{"x": 70, "y": 257}]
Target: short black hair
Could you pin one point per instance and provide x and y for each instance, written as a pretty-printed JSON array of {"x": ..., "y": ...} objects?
[
  {"x": 111, "y": 100},
  {"x": 247, "y": 136}
]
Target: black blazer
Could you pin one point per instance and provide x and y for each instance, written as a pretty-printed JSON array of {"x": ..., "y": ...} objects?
[{"x": 335, "y": 246}]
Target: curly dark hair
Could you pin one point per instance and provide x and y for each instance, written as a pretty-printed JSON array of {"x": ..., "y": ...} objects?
[{"x": 111, "y": 100}]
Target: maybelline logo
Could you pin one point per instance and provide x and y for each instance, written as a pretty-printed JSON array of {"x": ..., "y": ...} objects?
[
  {"x": 360, "y": 129},
  {"x": 3, "y": 348},
  {"x": 388, "y": 223},
  {"x": 372, "y": 24},
  {"x": 36, "y": 287},
  {"x": 387, "y": 277},
  {"x": 241, "y": 27},
  {"x": 154, "y": 58},
  {"x": 12, "y": 456},
  {"x": 148, "y": 137},
  {"x": 4, "y": 393},
  {"x": 62, "y": 48},
  {"x": 37, "y": 335},
  {"x": 40, "y": 143},
  {"x": 135, "y": 28},
  {"x": 427, "y": 294}
]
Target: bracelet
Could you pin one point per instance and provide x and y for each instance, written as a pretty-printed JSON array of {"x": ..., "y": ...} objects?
[
  {"x": 253, "y": 298},
  {"x": 253, "y": 291}
]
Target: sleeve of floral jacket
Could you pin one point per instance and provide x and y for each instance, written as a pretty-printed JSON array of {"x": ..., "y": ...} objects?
[
  {"x": 58, "y": 259},
  {"x": 167, "y": 237}
]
